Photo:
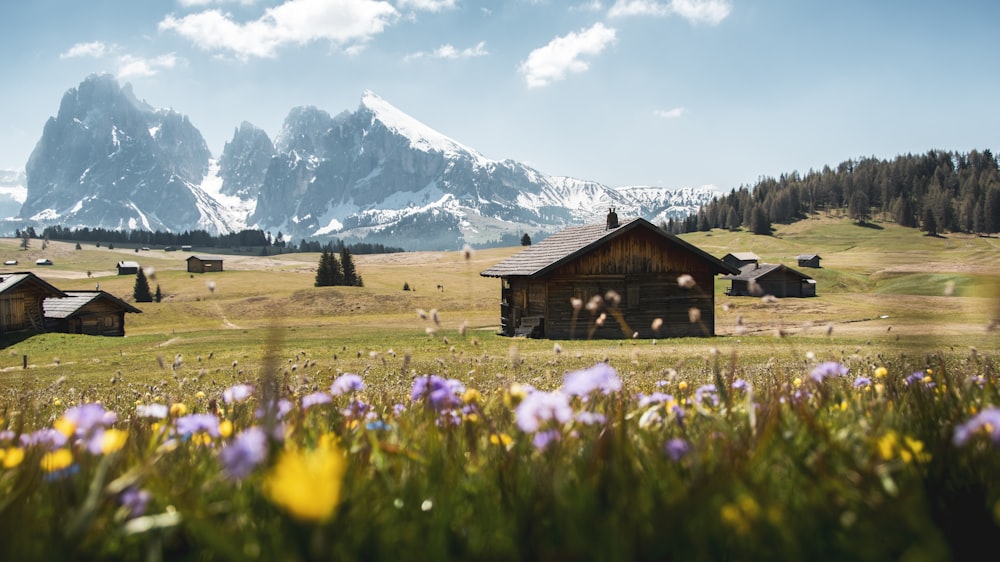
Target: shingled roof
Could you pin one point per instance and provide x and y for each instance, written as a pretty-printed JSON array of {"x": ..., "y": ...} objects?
[
  {"x": 752, "y": 272},
  {"x": 571, "y": 242},
  {"x": 69, "y": 305},
  {"x": 10, "y": 280}
]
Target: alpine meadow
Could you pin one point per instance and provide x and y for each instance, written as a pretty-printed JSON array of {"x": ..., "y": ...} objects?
[{"x": 250, "y": 414}]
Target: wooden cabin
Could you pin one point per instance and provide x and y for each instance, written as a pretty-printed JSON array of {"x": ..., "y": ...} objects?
[
  {"x": 95, "y": 313},
  {"x": 809, "y": 260},
  {"x": 739, "y": 259},
  {"x": 128, "y": 267},
  {"x": 613, "y": 280},
  {"x": 770, "y": 279},
  {"x": 199, "y": 264},
  {"x": 21, "y": 298}
]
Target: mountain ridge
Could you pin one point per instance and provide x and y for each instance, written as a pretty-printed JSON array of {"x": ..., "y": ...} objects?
[{"x": 375, "y": 174}]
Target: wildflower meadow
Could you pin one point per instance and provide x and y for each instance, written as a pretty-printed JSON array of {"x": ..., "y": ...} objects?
[{"x": 874, "y": 457}]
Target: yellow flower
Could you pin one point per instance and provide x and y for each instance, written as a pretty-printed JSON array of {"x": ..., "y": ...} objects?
[
  {"x": 914, "y": 450},
  {"x": 201, "y": 438},
  {"x": 881, "y": 372},
  {"x": 682, "y": 385},
  {"x": 307, "y": 484},
  {"x": 57, "y": 460},
  {"x": 199, "y": 395},
  {"x": 471, "y": 396},
  {"x": 178, "y": 409},
  {"x": 886, "y": 445},
  {"x": 514, "y": 395},
  {"x": 56, "y": 402},
  {"x": 225, "y": 428},
  {"x": 501, "y": 439},
  {"x": 797, "y": 382},
  {"x": 12, "y": 456},
  {"x": 64, "y": 426},
  {"x": 472, "y": 417},
  {"x": 113, "y": 440}
]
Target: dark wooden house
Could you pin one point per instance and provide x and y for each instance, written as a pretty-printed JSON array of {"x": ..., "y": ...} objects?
[
  {"x": 199, "y": 264},
  {"x": 96, "y": 313},
  {"x": 21, "y": 298},
  {"x": 809, "y": 260},
  {"x": 612, "y": 280},
  {"x": 757, "y": 280},
  {"x": 128, "y": 267},
  {"x": 739, "y": 259}
]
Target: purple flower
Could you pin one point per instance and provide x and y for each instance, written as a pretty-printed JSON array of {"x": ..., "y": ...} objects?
[
  {"x": 677, "y": 448},
  {"x": 135, "y": 501},
  {"x": 540, "y": 407},
  {"x": 196, "y": 423},
  {"x": 246, "y": 451},
  {"x": 706, "y": 391},
  {"x": 47, "y": 438},
  {"x": 315, "y": 399},
  {"x": 654, "y": 398},
  {"x": 237, "y": 393},
  {"x": 987, "y": 421},
  {"x": 346, "y": 383},
  {"x": 357, "y": 409},
  {"x": 601, "y": 377},
  {"x": 740, "y": 384},
  {"x": 590, "y": 418},
  {"x": 87, "y": 417},
  {"x": 398, "y": 409},
  {"x": 7, "y": 435},
  {"x": 439, "y": 393},
  {"x": 862, "y": 381},
  {"x": 828, "y": 369},
  {"x": 914, "y": 378},
  {"x": 543, "y": 439},
  {"x": 281, "y": 408}
]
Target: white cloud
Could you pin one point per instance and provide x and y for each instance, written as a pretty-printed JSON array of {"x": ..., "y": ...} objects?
[
  {"x": 95, "y": 49},
  {"x": 670, "y": 113},
  {"x": 711, "y": 12},
  {"x": 343, "y": 22},
  {"x": 131, "y": 66},
  {"x": 447, "y": 51},
  {"x": 563, "y": 55},
  {"x": 427, "y": 5},
  {"x": 591, "y": 6}
]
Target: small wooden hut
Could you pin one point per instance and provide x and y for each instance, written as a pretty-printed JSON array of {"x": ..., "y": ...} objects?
[
  {"x": 96, "y": 313},
  {"x": 201, "y": 264},
  {"x": 739, "y": 259},
  {"x": 613, "y": 280},
  {"x": 770, "y": 279},
  {"x": 128, "y": 267},
  {"x": 809, "y": 260},
  {"x": 21, "y": 298}
]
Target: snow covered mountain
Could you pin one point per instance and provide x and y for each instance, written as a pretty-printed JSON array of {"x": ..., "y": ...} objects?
[
  {"x": 12, "y": 192},
  {"x": 375, "y": 175}
]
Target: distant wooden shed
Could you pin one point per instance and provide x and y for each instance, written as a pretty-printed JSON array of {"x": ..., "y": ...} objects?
[
  {"x": 739, "y": 259},
  {"x": 21, "y": 298},
  {"x": 128, "y": 267},
  {"x": 809, "y": 260},
  {"x": 613, "y": 280},
  {"x": 757, "y": 280},
  {"x": 96, "y": 313},
  {"x": 200, "y": 264}
]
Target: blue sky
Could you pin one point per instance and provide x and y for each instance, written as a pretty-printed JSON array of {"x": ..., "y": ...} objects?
[{"x": 624, "y": 92}]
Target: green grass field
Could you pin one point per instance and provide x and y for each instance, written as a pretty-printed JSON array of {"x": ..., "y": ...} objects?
[{"x": 857, "y": 425}]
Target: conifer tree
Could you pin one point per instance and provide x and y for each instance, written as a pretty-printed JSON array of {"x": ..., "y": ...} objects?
[
  {"x": 351, "y": 277},
  {"x": 141, "y": 291}
]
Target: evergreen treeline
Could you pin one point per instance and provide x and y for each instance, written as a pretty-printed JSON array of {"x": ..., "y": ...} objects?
[
  {"x": 332, "y": 272},
  {"x": 937, "y": 191},
  {"x": 200, "y": 238}
]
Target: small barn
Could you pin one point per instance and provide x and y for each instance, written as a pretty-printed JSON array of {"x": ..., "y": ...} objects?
[
  {"x": 809, "y": 260},
  {"x": 613, "y": 280},
  {"x": 21, "y": 298},
  {"x": 95, "y": 313},
  {"x": 128, "y": 267},
  {"x": 756, "y": 280},
  {"x": 739, "y": 259},
  {"x": 200, "y": 264}
]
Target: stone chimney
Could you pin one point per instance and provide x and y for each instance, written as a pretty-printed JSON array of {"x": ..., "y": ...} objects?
[{"x": 612, "y": 219}]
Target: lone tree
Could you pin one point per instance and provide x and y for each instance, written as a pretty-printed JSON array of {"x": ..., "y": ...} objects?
[
  {"x": 328, "y": 273},
  {"x": 141, "y": 291},
  {"x": 351, "y": 277},
  {"x": 525, "y": 240}
]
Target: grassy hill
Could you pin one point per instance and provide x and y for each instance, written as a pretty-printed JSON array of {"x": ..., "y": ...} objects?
[{"x": 879, "y": 283}]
